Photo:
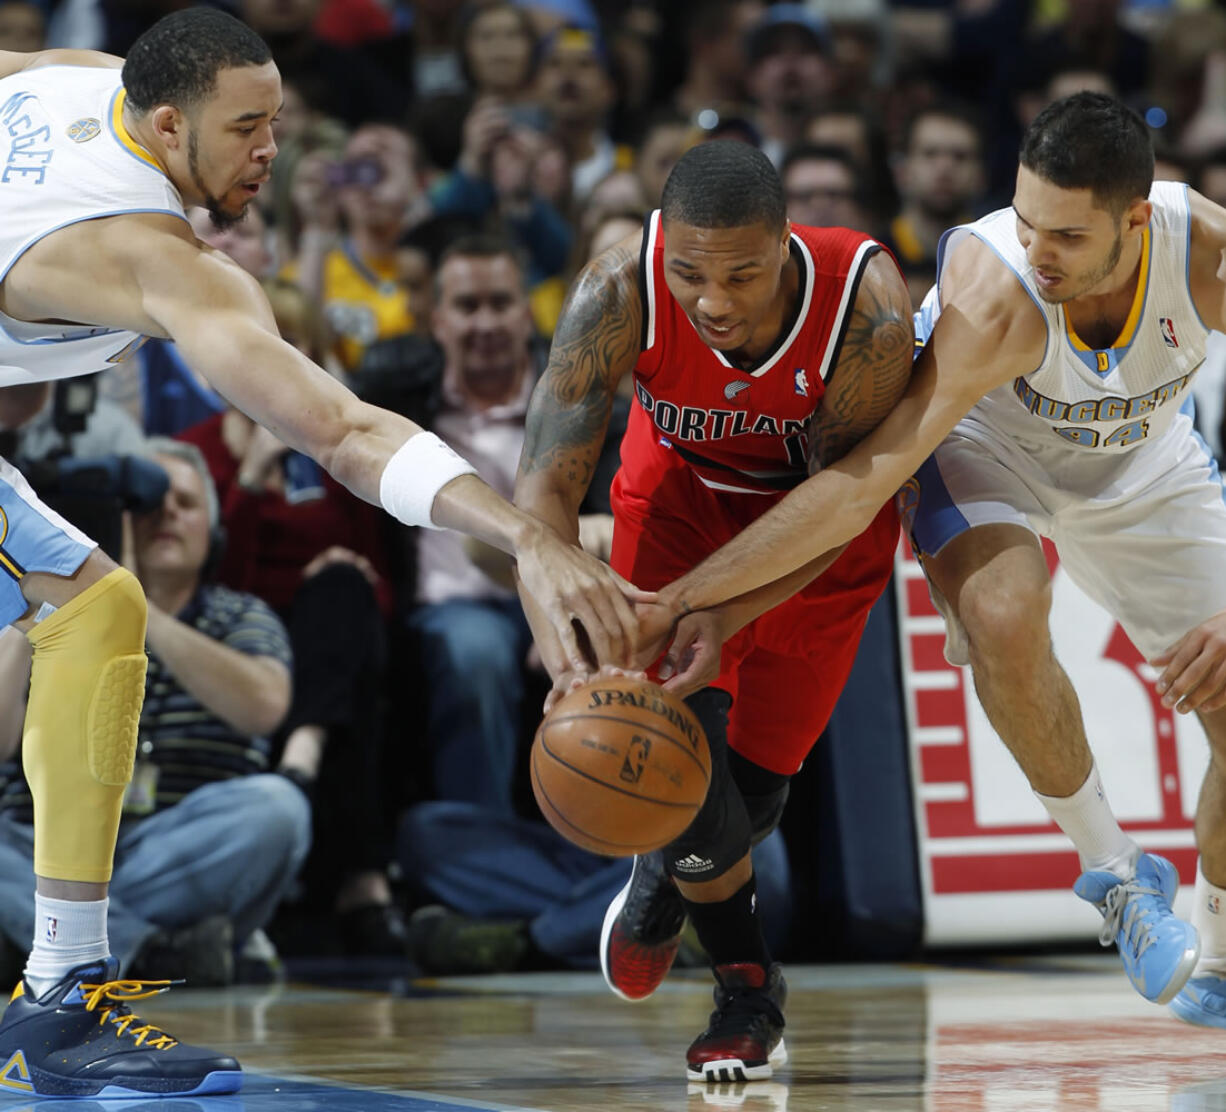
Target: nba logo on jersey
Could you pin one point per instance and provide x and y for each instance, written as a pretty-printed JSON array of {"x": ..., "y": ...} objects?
[
  {"x": 1215, "y": 905},
  {"x": 1168, "y": 331},
  {"x": 802, "y": 382},
  {"x": 52, "y": 928}
]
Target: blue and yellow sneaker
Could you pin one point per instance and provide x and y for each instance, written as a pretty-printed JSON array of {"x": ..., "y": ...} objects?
[
  {"x": 80, "y": 1039},
  {"x": 1202, "y": 1001},
  {"x": 1158, "y": 949}
]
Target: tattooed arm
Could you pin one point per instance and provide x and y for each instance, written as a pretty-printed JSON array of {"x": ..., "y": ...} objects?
[
  {"x": 873, "y": 367},
  {"x": 595, "y": 343}
]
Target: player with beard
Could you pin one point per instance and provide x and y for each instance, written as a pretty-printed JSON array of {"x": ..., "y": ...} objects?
[
  {"x": 96, "y": 166},
  {"x": 1054, "y": 393}
]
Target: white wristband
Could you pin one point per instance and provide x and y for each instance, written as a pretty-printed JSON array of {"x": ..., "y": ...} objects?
[{"x": 420, "y": 468}]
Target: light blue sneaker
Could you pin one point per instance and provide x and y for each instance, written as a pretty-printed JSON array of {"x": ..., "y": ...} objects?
[
  {"x": 1158, "y": 949},
  {"x": 1202, "y": 1001}
]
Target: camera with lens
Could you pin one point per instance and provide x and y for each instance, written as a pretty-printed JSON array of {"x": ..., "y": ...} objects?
[{"x": 91, "y": 492}]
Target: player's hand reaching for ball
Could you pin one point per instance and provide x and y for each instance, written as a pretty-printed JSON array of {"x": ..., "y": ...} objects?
[
  {"x": 572, "y": 587},
  {"x": 566, "y": 682},
  {"x": 693, "y": 658},
  {"x": 1194, "y": 669},
  {"x": 655, "y": 628}
]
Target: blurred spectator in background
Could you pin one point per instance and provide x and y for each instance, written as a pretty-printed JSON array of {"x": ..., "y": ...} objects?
[
  {"x": 498, "y": 48},
  {"x": 859, "y": 131},
  {"x": 667, "y": 136},
  {"x": 467, "y": 619},
  {"x": 859, "y": 32},
  {"x": 1091, "y": 34},
  {"x": 315, "y": 553},
  {"x": 823, "y": 188},
  {"x": 340, "y": 82},
  {"x": 209, "y": 841},
  {"x": 789, "y": 74},
  {"x": 494, "y": 186},
  {"x": 23, "y": 27},
  {"x": 43, "y": 420},
  {"x": 715, "y": 59},
  {"x": 511, "y": 893},
  {"x": 575, "y": 86},
  {"x": 941, "y": 179},
  {"x": 354, "y": 213}
]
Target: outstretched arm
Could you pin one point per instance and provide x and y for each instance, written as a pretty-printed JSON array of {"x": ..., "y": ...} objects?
[
  {"x": 988, "y": 333},
  {"x": 12, "y": 61},
  {"x": 224, "y": 328},
  {"x": 596, "y": 342}
]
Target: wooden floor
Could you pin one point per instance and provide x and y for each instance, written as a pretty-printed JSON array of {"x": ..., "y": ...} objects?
[{"x": 1018, "y": 1036}]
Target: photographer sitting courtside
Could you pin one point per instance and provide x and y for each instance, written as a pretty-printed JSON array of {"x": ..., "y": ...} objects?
[{"x": 210, "y": 840}]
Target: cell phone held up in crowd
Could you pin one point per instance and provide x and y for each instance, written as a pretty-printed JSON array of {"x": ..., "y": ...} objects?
[{"x": 362, "y": 172}]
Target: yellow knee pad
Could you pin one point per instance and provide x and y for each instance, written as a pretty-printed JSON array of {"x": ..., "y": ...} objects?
[{"x": 86, "y": 690}]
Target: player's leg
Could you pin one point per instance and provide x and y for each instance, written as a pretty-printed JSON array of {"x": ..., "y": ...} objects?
[
  {"x": 1203, "y": 999},
  {"x": 974, "y": 516},
  {"x": 67, "y": 1030}
]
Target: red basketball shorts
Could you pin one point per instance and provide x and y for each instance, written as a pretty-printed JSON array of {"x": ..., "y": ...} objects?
[{"x": 785, "y": 669}]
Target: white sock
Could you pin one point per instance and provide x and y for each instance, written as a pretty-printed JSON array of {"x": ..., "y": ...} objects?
[
  {"x": 67, "y": 933},
  {"x": 1085, "y": 816},
  {"x": 1209, "y": 919}
]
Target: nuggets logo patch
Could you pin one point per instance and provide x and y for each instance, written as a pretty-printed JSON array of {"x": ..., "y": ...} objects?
[
  {"x": 83, "y": 130},
  {"x": 16, "y": 1074},
  {"x": 907, "y": 502}
]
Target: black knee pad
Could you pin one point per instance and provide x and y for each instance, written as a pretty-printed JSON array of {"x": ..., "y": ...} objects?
[
  {"x": 765, "y": 794},
  {"x": 743, "y": 805},
  {"x": 719, "y": 835}
]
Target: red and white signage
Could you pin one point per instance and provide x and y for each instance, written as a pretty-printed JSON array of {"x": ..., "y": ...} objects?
[{"x": 993, "y": 866}]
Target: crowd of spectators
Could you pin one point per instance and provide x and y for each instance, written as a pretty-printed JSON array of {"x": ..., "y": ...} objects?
[{"x": 445, "y": 168}]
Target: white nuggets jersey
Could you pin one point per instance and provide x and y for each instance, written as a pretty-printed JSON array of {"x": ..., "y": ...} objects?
[
  {"x": 66, "y": 157},
  {"x": 1110, "y": 400}
]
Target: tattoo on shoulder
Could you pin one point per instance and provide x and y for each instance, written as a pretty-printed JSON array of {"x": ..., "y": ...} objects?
[
  {"x": 596, "y": 342},
  {"x": 872, "y": 372}
]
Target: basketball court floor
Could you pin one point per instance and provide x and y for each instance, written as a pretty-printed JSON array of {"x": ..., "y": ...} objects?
[{"x": 1016, "y": 1035}]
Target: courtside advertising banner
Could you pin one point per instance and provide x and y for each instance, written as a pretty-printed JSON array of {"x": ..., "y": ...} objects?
[{"x": 993, "y": 866}]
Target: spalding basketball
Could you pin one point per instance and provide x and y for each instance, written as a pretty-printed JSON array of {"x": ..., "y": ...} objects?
[{"x": 620, "y": 766}]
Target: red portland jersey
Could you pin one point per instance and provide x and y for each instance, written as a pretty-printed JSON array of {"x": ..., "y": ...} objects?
[{"x": 743, "y": 431}]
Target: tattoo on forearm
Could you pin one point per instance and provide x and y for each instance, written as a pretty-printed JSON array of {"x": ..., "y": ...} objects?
[
  {"x": 874, "y": 366},
  {"x": 597, "y": 339}
]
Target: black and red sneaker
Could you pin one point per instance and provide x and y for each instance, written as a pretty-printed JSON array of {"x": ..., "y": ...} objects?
[
  {"x": 642, "y": 930},
  {"x": 744, "y": 1038}
]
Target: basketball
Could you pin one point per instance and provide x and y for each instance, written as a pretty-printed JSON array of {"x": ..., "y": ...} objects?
[{"x": 620, "y": 766}]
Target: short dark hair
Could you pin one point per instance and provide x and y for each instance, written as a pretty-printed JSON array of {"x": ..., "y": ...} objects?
[
  {"x": 822, "y": 152},
  {"x": 177, "y": 60},
  {"x": 944, "y": 109},
  {"x": 481, "y": 245},
  {"x": 724, "y": 184},
  {"x": 1095, "y": 142}
]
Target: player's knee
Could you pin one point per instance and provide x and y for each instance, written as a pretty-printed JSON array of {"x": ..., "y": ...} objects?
[
  {"x": 764, "y": 813},
  {"x": 280, "y": 816},
  {"x": 718, "y": 837},
  {"x": 1005, "y": 618},
  {"x": 95, "y": 647}
]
